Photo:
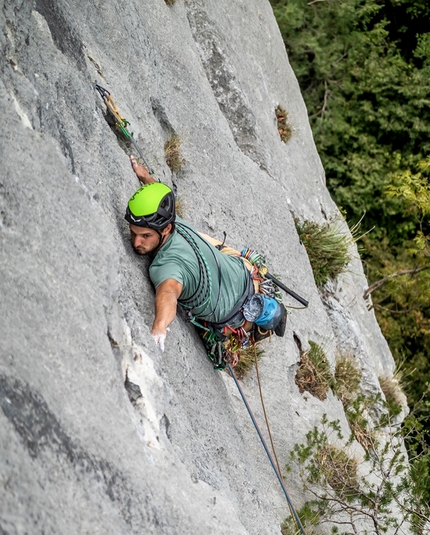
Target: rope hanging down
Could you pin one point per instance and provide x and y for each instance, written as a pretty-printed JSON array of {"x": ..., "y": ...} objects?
[{"x": 272, "y": 462}]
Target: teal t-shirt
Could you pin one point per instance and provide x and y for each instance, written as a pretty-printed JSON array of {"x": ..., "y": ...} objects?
[{"x": 197, "y": 265}]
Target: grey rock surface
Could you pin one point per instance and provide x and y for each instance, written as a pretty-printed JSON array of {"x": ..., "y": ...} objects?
[{"x": 99, "y": 431}]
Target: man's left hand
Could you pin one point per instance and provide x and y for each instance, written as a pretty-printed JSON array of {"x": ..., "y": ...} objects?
[{"x": 141, "y": 173}]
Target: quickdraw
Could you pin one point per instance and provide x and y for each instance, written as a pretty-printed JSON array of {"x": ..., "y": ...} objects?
[{"x": 120, "y": 122}]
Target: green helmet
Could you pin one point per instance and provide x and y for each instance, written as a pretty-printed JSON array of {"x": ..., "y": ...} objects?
[{"x": 152, "y": 206}]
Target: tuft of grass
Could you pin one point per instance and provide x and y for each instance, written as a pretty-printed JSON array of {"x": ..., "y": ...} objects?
[
  {"x": 172, "y": 153},
  {"x": 328, "y": 248},
  {"x": 347, "y": 388},
  {"x": 347, "y": 377},
  {"x": 358, "y": 420},
  {"x": 284, "y": 128},
  {"x": 392, "y": 390},
  {"x": 290, "y": 527},
  {"x": 338, "y": 469},
  {"x": 247, "y": 358},
  {"x": 313, "y": 374}
]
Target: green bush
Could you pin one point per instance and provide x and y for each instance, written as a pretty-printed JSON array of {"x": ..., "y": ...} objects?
[
  {"x": 344, "y": 499},
  {"x": 328, "y": 248}
]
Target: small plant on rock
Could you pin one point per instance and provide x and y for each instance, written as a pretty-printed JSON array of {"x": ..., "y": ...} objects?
[
  {"x": 393, "y": 393},
  {"x": 172, "y": 153},
  {"x": 347, "y": 377},
  {"x": 328, "y": 248},
  {"x": 247, "y": 358},
  {"x": 338, "y": 469},
  {"x": 308, "y": 519},
  {"x": 313, "y": 374},
  {"x": 284, "y": 128},
  {"x": 325, "y": 462},
  {"x": 358, "y": 413},
  {"x": 357, "y": 406}
]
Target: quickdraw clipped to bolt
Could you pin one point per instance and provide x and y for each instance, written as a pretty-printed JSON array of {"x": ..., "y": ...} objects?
[{"x": 120, "y": 122}]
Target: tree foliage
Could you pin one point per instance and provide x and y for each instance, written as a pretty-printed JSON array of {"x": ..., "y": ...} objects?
[
  {"x": 378, "y": 493},
  {"x": 364, "y": 70},
  {"x": 368, "y": 98},
  {"x": 403, "y": 300}
]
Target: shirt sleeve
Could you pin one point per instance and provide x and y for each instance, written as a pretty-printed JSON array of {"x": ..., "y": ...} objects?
[{"x": 160, "y": 273}]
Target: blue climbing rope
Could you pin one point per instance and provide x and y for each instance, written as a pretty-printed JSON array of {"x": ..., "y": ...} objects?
[{"x": 278, "y": 475}]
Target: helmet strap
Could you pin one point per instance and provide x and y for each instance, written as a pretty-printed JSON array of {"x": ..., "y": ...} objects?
[{"x": 160, "y": 241}]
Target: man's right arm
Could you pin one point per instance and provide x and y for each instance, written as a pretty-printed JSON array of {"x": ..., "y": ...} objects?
[{"x": 166, "y": 301}]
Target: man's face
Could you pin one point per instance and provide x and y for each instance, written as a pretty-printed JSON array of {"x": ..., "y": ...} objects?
[{"x": 145, "y": 240}]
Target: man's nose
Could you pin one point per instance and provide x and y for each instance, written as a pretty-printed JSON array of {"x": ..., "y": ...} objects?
[{"x": 137, "y": 241}]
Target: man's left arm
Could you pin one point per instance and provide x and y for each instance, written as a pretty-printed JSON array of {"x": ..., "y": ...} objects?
[{"x": 141, "y": 173}]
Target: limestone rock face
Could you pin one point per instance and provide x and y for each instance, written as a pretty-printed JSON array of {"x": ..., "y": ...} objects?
[{"x": 99, "y": 431}]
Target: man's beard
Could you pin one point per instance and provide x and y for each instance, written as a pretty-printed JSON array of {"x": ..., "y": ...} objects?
[
  {"x": 153, "y": 251},
  {"x": 140, "y": 253},
  {"x": 147, "y": 253}
]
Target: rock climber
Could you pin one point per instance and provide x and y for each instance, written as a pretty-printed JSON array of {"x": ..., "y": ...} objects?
[{"x": 188, "y": 270}]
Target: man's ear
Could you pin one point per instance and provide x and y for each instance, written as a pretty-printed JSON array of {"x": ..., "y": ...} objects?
[{"x": 166, "y": 231}]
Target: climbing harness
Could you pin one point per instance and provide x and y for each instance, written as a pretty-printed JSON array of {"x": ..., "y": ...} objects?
[
  {"x": 275, "y": 466},
  {"x": 120, "y": 122},
  {"x": 226, "y": 340}
]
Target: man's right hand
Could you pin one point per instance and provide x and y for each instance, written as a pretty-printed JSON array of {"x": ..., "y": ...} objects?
[
  {"x": 166, "y": 299},
  {"x": 159, "y": 340}
]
